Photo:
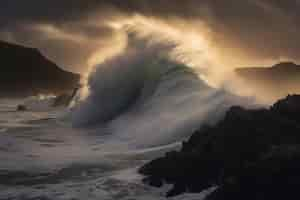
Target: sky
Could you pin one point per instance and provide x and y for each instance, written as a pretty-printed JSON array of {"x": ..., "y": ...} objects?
[{"x": 77, "y": 34}]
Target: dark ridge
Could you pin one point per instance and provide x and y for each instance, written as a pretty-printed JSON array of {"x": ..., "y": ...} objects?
[
  {"x": 276, "y": 81},
  {"x": 250, "y": 154},
  {"x": 25, "y": 71},
  {"x": 284, "y": 67}
]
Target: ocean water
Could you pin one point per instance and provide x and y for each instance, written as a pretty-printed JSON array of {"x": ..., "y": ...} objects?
[
  {"x": 44, "y": 157},
  {"x": 141, "y": 104}
]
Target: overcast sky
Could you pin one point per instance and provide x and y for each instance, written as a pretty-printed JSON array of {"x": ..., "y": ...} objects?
[{"x": 70, "y": 31}]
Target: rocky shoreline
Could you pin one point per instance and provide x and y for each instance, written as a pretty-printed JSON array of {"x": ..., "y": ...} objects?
[{"x": 250, "y": 154}]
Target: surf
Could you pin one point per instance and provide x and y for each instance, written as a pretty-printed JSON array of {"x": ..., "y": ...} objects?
[{"x": 147, "y": 98}]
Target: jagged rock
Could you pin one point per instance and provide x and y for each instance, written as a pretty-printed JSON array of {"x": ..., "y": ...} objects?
[
  {"x": 288, "y": 107},
  {"x": 62, "y": 100},
  {"x": 65, "y": 99},
  {"x": 275, "y": 175},
  {"x": 244, "y": 142}
]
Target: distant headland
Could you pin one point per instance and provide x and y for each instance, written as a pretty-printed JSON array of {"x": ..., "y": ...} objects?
[
  {"x": 274, "y": 82},
  {"x": 26, "y": 72}
]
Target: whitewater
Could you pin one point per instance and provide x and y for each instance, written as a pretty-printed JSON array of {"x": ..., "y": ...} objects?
[{"x": 140, "y": 104}]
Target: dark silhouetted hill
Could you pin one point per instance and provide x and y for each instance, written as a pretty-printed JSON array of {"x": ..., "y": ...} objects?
[
  {"x": 275, "y": 82},
  {"x": 25, "y": 71}
]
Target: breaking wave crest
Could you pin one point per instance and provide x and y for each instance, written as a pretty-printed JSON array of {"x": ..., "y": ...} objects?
[{"x": 144, "y": 97}]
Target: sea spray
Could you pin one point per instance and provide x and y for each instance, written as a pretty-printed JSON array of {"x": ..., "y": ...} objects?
[{"x": 147, "y": 98}]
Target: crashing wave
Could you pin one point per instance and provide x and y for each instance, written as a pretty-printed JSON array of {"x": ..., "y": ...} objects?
[{"x": 144, "y": 97}]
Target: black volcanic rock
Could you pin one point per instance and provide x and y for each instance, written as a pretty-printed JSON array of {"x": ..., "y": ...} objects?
[
  {"x": 275, "y": 82},
  {"x": 25, "y": 71},
  {"x": 250, "y": 154},
  {"x": 65, "y": 99},
  {"x": 275, "y": 176}
]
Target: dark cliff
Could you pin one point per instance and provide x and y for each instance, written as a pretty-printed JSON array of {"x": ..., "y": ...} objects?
[{"x": 25, "y": 71}]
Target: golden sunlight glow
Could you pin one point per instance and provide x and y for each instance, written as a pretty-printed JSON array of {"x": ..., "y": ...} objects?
[
  {"x": 193, "y": 45},
  {"x": 192, "y": 48},
  {"x": 115, "y": 46},
  {"x": 55, "y": 33}
]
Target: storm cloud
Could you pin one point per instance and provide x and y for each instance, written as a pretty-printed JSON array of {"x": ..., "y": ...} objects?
[{"x": 70, "y": 31}]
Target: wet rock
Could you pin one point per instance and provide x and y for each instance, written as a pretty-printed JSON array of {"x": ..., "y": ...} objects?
[
  {"x": 62, "y": 100},
  {"x": 153, "y": 182},
  {"x": 21, "y": 108},
  {"x": 246, "y": 147},
  {"x": 273, "y": 176},
  {"x": 66, "y": 98}
]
